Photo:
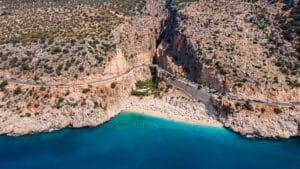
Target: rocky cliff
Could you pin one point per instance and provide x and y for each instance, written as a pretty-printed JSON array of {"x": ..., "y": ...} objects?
[
  {"x": 238, "y": 49},
  {"x": 72, "y": 43},
  {"x": 244, "y": 50}
]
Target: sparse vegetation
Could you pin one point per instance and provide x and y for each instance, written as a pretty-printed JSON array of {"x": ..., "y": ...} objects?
[
  {"x": 86, "y": 90},
  {"x": 248, "y": 106},
  {"x": 18, "y": 91},
  {"x": 145, "y": 88},
  {"x": 3, "y": 84},
  {"x": 277, "y": 110},
  {"x": 59, "y": 102},
  {"x": 113, "y": 85}
]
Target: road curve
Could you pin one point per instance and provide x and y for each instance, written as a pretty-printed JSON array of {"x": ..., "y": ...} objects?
[
  {"x": 182, "y": 84},
  {"x": 42, "y": 84}
]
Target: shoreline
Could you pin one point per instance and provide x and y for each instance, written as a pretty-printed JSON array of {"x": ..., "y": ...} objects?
[
  {"x": 173, "y": 117},
  {"x": 152, "y": 113}
]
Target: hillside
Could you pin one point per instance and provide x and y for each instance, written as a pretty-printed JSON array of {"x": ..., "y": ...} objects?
[
  {"x": 242, "y": 50},
  {"x": 76, "y": 63}
]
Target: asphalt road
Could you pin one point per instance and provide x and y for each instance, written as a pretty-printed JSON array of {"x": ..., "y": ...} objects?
[{"x": 188, "y": 87}]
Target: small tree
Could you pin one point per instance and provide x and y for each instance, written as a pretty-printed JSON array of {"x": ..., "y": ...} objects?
[
  {"x": 86, "y": 90},
  {"x": 277, "y": 110},
  {"x": 81, "y": 68},
  {"x": 248, "y": 106},
  {"x": 3, "y": 84},
  {"x": 18, "y": 91},
  {"x": 113, "y": 85}
]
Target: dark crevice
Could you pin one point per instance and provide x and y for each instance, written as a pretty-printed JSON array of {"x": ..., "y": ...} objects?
[
  {"x": 170, "y": 23},
  {"x": 178, "y": 47},
  {"x": 173, "y": 44}
]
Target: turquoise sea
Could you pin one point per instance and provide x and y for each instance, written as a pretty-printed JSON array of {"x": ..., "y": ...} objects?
[{"x": 134, "y": 141}]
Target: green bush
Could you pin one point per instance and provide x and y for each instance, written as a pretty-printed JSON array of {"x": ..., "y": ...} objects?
[
  {"x": 17, "y": 91},
  {"x": 56, "y": 50},
  {"x": 59, "y": 102},
  {"x": 58, "y": 69},
  {"x": 147, "y": 84},
  {"x": 65, "y": 51},
  {"x": 3, "y": 84},
  {"x": 86, "y": 90},
  {"x": 81, "y": 68},
  {"x": 25, "y": 66},
  {"x": 42, "y": 88},
  {"x": 248, "y": 106},
  {"x": 96, "y": 104},
  {"x": 277, "y": 110},
  {"x": 113, "y": 85}
]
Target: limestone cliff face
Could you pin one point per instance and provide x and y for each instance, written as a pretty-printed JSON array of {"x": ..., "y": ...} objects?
[
  {"x": 205, "y": 50},
  {"x": 177, "y": 54},
  {"x": 136, "y": 39}
]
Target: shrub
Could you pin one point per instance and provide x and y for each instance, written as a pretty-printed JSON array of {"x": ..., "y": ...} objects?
[
  {"x": 96, "y": 104},
  {"x": 25, "y": 67},
  {"x": 59, "y": 102},
  {"x": 239, "y": 84},
  {"x": 81, "y": 68},
  {"x": 17, "y": 91},
  {"x": 58, "y": 69},
  {"x": 65, "y": 51},
  {"x": 3, "y": 84},
  {"x": 199, "y": 87},
  {"x": 277, "y": 110},
  {"x": 147, "y": 84},
  {"x": 67, "y": 65},
  {"x": 113, "y": 85},
  {"x": 56, "y": 50},
  {"x": 86, "y": 90},
  {"x": 237, "y": 105},
  {"x": 248, "y": 106},
  {"x": 48, "y": 69},
  {"x": 42, "y": 88}
]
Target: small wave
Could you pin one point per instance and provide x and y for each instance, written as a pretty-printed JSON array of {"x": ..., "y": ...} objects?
[
  {"x": 51, "y": 130},
  {"x": 13, "y": 135}
]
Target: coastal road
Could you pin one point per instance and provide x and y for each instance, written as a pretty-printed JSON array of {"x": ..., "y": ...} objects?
[
  {"x": 43, "y": 84},
  {"x": 190, "y": 88},
  {"x": 189, "y": 84}
]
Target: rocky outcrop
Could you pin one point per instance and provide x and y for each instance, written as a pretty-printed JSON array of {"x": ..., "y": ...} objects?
[
  {"x": 274, "y": 126},
  {"x": 258, "y": 120}
]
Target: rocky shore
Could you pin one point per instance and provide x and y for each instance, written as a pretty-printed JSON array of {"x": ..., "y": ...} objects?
[{"x": 175, "y": 106}]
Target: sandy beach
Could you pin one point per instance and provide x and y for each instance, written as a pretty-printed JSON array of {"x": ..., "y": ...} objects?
[{"x": 201, "y": 122}]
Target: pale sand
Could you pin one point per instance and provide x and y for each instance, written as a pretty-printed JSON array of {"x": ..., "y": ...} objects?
[{"x": 176, "y": 117}]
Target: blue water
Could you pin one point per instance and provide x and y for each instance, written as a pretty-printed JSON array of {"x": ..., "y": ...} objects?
[{"x": 136, "y": 141}]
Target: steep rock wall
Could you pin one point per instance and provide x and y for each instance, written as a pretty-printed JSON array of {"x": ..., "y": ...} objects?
[
  {"x": 177, "y": 54},
  {"x": 136, "y": 39}
]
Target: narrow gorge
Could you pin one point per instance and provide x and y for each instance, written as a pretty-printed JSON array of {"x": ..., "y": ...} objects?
[{"x": 178, "y": 55}]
